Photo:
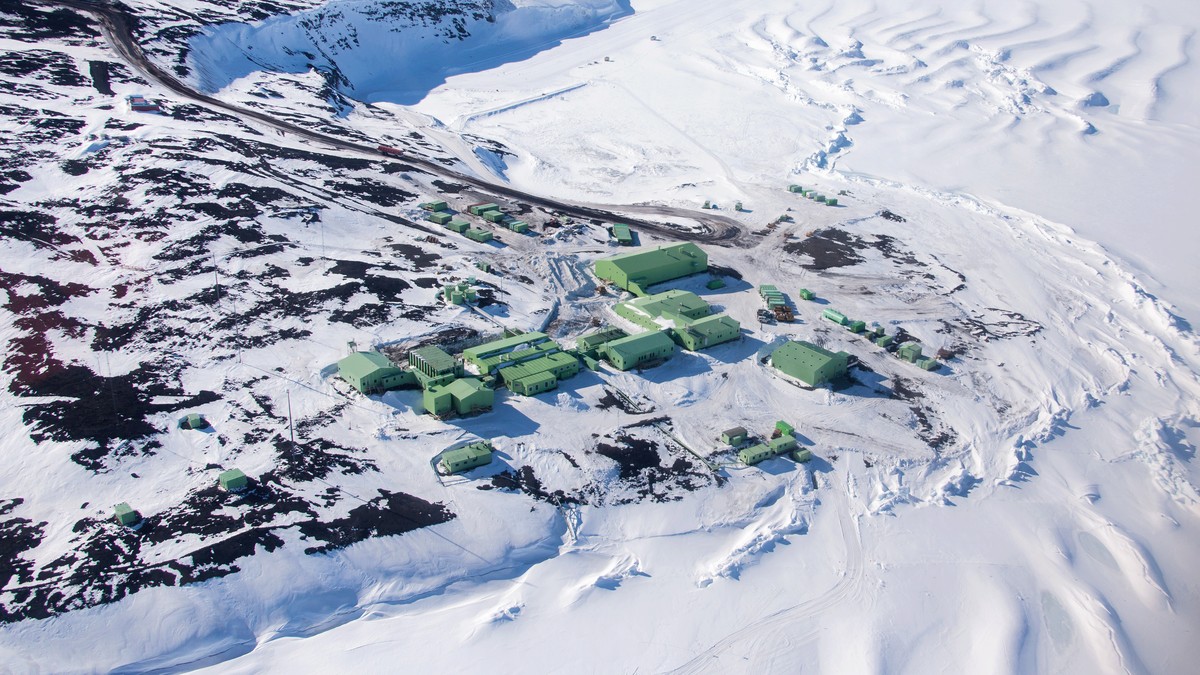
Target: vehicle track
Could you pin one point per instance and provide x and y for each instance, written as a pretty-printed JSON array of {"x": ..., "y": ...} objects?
[{"x": 119, "y": 27}]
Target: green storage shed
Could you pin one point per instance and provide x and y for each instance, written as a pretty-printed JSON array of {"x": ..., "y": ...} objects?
[
  {"x": 835, "y": 316},
  {"x": 735, "y": 436},
  {"x": 126, "y": 515},
  {"x": 481, "y": 236},
  {"x": 440, "y": 218},
  {"x": 707, "y": 332},
  {"x": 233, "y": 480}
]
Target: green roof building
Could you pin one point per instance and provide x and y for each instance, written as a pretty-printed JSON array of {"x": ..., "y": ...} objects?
[
  {"x": 806, "y": 294},
  {"x": 373, "y": 373},
  {"x": 193, "y": 421},
  {"x": 233, "y": 480},
  {"x": 457, "y": 225},
  {"x": 433, "y": 367},
  {"x": 755, "y": 454},
  {"x": 439, "y": 217},
  {"x": 126, "y": 515},
  {"x": 809, "y": 363},
  {"x": 802, "y": 455},
  {"x": 540, "y": 374},
  {"x": 590, "y": 343},
  {"x": 707, "y": 332},
  {"x": 636, "y": 350},
  {"x": 622, "y": 234},
  {"x": 495, "y": 216},
  {"x": 672, "y": 306},
  {"x": 836, "y": 317},
  {"x": 434, "y": 206},
  {"x": 464, "y": 396},
  {"x": 466, "y": 458},
  {"x": 489, "y": 357},
  {"x": 519, "y": 226},
  {"x": 735, "y": 436},
  {"x": 781, "y": 444},
  {"x": 476, "y": 209},
  {"x": 635, "y": 272},
  {"x": 909, "y": 351},
  {"x": 481, "y": 236}
]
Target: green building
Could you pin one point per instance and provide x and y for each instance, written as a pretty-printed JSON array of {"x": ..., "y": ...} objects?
[
  {"x": 857, "y": 326},
  {"x": 540, "y": 374},
  {"x": 193, "y": 421},
  {"x": 806, "y": 294},
  {"x": 233, "y": 480},
  {"x": 633, "y": 351},
  {"x": 457, "y": 225},
  {"x": 735, "y": 436},
  {"x": 439, "y": 217},
  {"x": 466, "y": 458},
  {"x": 802, "y": 455},
  {"x": 373, "y": 373},
  {"x": 126, "y": 515},
  {"x": 622, "y": 234},
  {"x": 634, "y": 272},
  {"x": 495, "y": 216},
  {"x": 755, "y": 454},
  {"x": 481, "y": 236},
  {"x": 434, "y": 206},
  {"x": 589, "y": 344},
  {"x": 464, "y": 396},
  {"x": 433, "y": 367},
  {"x": 673, "y": 305},
  {"x": 707, "y": 332},
  {"x": 884, "y": 340},
  {"x": 928, "y": 364},
  {"x": 476, "y": 209},
  {"x": 491, "y": 356},
  {"x": 809, "y": 363},
  {"x": 782, "y": 444},
  {"x": 519, "y": 226},
  {"x": 909, "y": 351},
  {"x": 836, "y": 317},
  {"x": 784, "y": 428}
]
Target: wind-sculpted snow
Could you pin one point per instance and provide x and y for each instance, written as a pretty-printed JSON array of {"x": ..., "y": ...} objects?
[{"x": 381, "y": 50}]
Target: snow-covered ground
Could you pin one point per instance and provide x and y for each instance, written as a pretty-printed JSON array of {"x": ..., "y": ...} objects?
[{"x": 1011, "y": 181}]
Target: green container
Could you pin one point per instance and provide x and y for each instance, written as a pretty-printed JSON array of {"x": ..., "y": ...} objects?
[
  {"x": 126, "y": 515},
  {"x": 832, "y": 201}
]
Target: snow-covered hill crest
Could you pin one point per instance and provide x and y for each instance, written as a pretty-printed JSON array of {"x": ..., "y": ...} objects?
[{"x": 383, "y": 50}]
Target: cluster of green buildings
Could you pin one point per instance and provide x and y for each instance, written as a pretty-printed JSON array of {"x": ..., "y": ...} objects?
[
  {"x": 684, "y": 316},
  {"x": 493, "y": 214},
  {"x": 446, "y": 387},
  {"x": 781, "y": 442},
  {"x": 813, "y": 195},
  {"x": 439, "y": 214},
  {"x": 909, "y": 351}
]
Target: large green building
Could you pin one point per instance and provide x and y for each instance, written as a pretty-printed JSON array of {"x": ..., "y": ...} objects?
[
  {"x": 489, "y": 357},
  {"x": 636, "y": 350},
  {"x": 590, "y": 344},
  {"x": 541, "y": 374},
  {"x": 373, "y": 373},
  {"x": 463, "y": 396},
  {"x": 809, "y": 363},
  {"x": 634, "y": 272},
  {"x": 707, "y": 332},
  {"x": 673, "y": 305},
  {"x": 433, "y": 367}
]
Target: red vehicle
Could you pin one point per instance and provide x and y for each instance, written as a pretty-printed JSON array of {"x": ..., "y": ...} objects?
[{"x": 389, "y": 150}]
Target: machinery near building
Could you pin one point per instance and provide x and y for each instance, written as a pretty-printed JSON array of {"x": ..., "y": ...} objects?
[
  {"x": 776, "y": 302},
  {"x": 808, "y": 363},
  {"x": 634, "y": 272}
]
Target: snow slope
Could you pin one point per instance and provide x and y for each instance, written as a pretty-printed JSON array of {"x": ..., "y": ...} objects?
[{"x": 1033, "y": 506}]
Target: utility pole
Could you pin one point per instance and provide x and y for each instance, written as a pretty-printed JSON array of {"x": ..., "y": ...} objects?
[
  {"x": 291, "y": 429},
  {"x": 216, "y": 278}
]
